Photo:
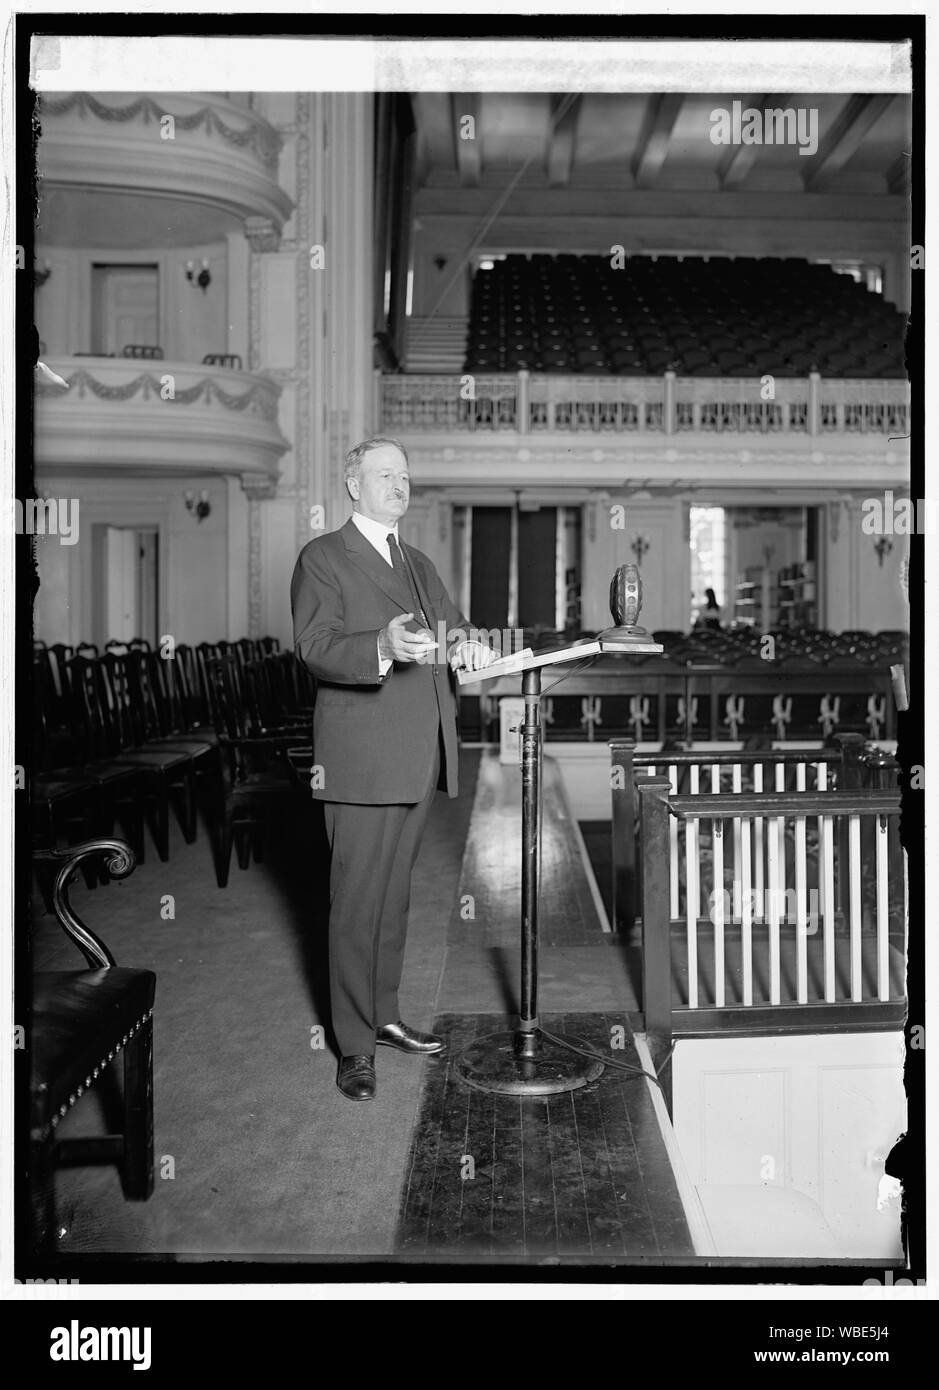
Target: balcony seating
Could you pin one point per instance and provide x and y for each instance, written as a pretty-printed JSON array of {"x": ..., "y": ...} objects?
[
  {"x": 696, "y": 316},
  {"x": 147, "y": 351}
]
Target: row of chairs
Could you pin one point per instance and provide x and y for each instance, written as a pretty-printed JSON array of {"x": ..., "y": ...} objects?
[
  {"x": 811, "y": 646},
  {"x": 696, "y": 316},
  {"x": 123, "y": 735},
  {"x": 152, "y": 352}
]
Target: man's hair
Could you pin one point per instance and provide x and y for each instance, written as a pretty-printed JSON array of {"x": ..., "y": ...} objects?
[{"x": 355, "y": 456}]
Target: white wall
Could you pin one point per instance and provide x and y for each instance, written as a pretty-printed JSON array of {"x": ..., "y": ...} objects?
[
  {"x": 860, "y": 591},
  {"x": 785, "y": 1139},
  {"x": 193, "y": 556},
  {"x": 192, "y": 323}
]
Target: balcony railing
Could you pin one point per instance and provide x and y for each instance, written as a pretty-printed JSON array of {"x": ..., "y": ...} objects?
[
  {"x": 194, "y": 146},
  {"x": 522, "y": 403},
  {"x": 133, "y": 413}
]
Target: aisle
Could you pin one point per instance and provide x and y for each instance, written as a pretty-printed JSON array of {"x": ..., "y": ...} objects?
[
  {"x": 257, "y": 1153},
  {"x": 576, "y": 1177}
]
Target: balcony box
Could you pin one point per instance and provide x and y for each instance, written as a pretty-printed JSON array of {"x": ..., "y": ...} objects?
[{"x": 147, "y": 416}]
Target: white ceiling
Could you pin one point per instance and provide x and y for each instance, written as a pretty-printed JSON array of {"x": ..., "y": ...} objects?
[{"x": 604, "y": 140}]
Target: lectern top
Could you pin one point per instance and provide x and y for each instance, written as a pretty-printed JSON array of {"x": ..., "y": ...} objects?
[{"x": 528, "y": 659}]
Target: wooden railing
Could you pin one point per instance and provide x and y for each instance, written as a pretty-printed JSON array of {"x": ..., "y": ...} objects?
[
  {"x": 526, "y": 403},
  {"x": 694, "y": 771},
  {"x": 795, "y": 920},
  {"x": 664, "y": 698}
]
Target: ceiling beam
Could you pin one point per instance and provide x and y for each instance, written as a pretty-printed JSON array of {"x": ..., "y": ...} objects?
[
  {"x": 562, "y": 134},
  {"x": 466, "y": 142},
  {"x": 737, "y": 161},
  {"x": 898, "y": 175},
  {"x": 661, "y": 114},
  {"x": 843, "y": 138}
]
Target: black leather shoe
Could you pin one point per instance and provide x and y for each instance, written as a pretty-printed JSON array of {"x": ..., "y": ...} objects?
[
  {"x": 356, "y": 1079},
  {"x": 407, "y": 1039}
]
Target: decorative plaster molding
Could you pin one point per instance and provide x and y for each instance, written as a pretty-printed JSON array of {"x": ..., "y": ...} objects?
[
  {"x": 259, "y": 486},
  {"x": 260, "y": 138},
  {"x": 260, "y": 398},
  {"x": 254, "y": 567},
  {"x": 262, "y": 234}
]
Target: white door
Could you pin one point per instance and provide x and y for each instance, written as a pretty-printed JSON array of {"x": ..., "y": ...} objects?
[{"x": 125, "y": 307}]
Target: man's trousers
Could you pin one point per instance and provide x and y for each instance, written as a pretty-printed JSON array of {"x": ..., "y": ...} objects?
[{"x": 374, "y": 849}]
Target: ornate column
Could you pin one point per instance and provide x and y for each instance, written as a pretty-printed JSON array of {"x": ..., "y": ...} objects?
[
  {"x": 257, "y": 488},
  {"x": 338, "y": 362}
]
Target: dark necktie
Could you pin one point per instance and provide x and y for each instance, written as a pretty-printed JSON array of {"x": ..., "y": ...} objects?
[{"x": 403, "y": 570}]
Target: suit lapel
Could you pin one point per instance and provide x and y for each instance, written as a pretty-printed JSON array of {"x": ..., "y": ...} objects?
[
  {"x": 363, "y": 554},
  {"x": 419, "y": 584}
]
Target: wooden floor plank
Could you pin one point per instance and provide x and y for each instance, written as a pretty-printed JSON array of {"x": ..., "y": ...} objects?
[{"x": 579, "y": 1174}]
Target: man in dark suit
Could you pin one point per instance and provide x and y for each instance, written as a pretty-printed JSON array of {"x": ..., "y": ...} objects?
[{"x": 374, "y": 623}]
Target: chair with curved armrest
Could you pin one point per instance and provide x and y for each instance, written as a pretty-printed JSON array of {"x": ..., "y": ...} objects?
[{"x": 80, "y": 1022}]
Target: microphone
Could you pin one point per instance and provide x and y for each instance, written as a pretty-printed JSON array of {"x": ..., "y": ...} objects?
[{"x": 625, "y": 607}]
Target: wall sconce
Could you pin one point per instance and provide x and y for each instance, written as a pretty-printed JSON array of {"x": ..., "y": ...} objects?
[
  {"x": 883, "y": 548},
  {"x": 41, "y": 273},
  {"x": 203, "y": 279},
  {"x": 639, "y": 547},
  {"x": 200, "y": 509}
]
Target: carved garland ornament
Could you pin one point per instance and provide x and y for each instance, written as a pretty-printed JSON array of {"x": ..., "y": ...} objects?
[
  {"x": 263, "y": 142},
  {"x": 259, "y": 399}
]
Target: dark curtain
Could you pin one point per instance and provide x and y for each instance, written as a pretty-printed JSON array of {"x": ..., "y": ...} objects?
[{"x": 489, "y": 581}]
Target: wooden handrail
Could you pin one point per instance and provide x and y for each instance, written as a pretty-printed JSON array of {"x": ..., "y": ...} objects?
[
  {"x": 716, "y": 805},
  {"x": 667, "y": 1016},
  {"x": 847, "y": 757}
]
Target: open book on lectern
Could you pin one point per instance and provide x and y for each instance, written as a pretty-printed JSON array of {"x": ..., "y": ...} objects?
[{"x": 528, "y": 659}]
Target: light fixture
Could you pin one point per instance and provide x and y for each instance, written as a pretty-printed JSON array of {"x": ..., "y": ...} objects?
[
  {"x": 883, "y": 548},
  {"x": 200, "y": 509},
  {"x": 203, "y": 279}
]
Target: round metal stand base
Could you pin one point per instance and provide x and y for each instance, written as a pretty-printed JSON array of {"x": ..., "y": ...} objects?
[{"x": 492, "y": 1063}]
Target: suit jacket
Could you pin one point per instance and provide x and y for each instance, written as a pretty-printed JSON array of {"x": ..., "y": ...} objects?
[{"x": 374, "y": 739}]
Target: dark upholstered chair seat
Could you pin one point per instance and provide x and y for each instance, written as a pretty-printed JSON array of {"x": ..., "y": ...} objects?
[{"x": 81, "y": 1020}]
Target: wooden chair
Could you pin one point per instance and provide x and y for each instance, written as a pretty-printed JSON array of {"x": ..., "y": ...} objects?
[
  {"x": 103, "y": 723},
  {"x": 72, "y": 785},
  {"x": 80, "y": 1022},
  {"x": 258, "y": 770}
]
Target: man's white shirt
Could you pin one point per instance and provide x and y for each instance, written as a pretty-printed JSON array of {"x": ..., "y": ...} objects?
[{"x": 376, "y": 533}]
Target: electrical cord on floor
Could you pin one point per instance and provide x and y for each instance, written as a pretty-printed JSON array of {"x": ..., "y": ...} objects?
[{"x": 608, "y": 1061}]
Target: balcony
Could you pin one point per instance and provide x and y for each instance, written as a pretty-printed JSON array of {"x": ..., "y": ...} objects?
[
  {"x": 480, "y": 428},
  {"x": 213, "y": 165},
  {"x": 522, "y": 403},
  {"x": 178, "y": 417}
]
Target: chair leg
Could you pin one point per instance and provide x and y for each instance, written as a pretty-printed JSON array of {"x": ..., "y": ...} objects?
[
  {"x": 42, "y": 1197},
  {"x": 137, "y": 1168},
  {"x": 223, "y": 851},
  {"x": 243, "y": 845},
  {"x": 188, "y": 818},
  {"x": 160, "y": 827},
  {"x": 130, "y": 814}
]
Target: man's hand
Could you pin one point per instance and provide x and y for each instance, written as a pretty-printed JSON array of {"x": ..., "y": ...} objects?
[
  {"x": 472, "y": 656},
  {"x": 398, "y": 643}
]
